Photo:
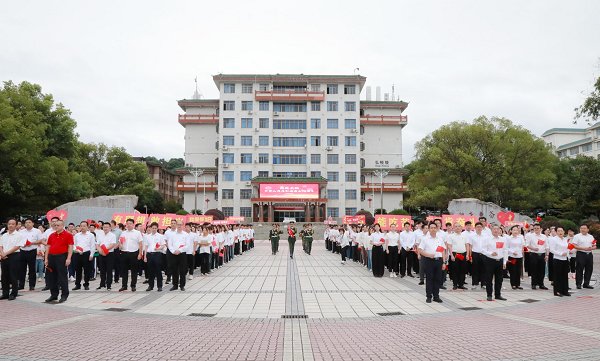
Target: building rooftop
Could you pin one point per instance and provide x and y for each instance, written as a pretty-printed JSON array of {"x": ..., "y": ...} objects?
[
  {"x": 291, "y": 78},
  {"x": 388, "y": 104},
  {"x": 209, "y": 103},
  {"x": 563, "y": 130},
  {"x": 575, "y": 143}
]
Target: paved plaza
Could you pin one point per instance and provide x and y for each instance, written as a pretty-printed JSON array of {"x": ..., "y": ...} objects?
[{"x": 264, "y": 307}]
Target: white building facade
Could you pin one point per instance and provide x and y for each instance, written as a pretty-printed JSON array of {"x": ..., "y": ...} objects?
[
  {"x": 302, "y": 146},
  {"x": 571, "y": 142}
]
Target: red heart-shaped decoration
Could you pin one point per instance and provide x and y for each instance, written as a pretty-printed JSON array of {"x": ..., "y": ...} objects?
[
  {"x": 62, "y": 215},
  {"x": 504, "y": 217}
]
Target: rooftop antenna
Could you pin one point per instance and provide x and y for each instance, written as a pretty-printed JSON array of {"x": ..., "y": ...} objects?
[
  {"x": 355, "y": 70},
  {"x": 393, "y": 96},
  {"x": 197, "y": 94}
]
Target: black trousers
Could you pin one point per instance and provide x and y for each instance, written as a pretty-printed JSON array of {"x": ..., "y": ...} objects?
[
  {"x": 237, "y": 248},
  {"x": 458, "y": 270},
  {"x": 204, "y": 266},
  {"x": 343, "y": 253},
  {"x": 584, "y": 268},
  {"x": 178, "y": 268},
  {"x": 214, "y": 260},
  {"x": 10, "y": 275},
  {"x": 393, "y": 259},
  {"x": 274, "y": 245},
  {"x": 26, "y": 261},
  {"x": 537, "y": 268},
  {"x": 561, "y": 276},
  {"x": 477, "y": 268},
  {"x": 406, "y": 262},
  {"x": 106, "y": 263},
  {"x": 550, "y": 267},
  {"x": 327, "y": 244},
  {"x": 433, "y": 276},
  {"x": 190, "y": 263},
  {"x": 355, "y": 252},
  {"x": 377, "y": 261},
  {"x": 514, "y": 267},
  {"x": 291, "y": 243},
  {"x": 154, "y": 269},
  {"x": 59, "y": 277},
  {"x": 309, "y": 242},
  {"x": 493, "y": 272},
  {"x": 573, "y": 264},
  {"x": 128, "y": 262},
  {"x": 117, "y": 263},
  {"x": 82, "y": 264}
]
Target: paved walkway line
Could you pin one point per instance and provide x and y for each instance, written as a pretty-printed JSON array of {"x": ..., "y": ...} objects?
[
  {"x": 44, "y": 326},
  {"x": 294, "y": 305},
  {"x": 296, "y": 344},
  {"x": 552, "y": 325}
]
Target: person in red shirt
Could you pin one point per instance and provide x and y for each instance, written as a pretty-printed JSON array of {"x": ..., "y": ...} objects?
[{"x": 58, "y": 257}]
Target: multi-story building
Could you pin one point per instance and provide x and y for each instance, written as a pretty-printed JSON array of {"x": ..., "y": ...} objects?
[
  {"x": 571, "y": 142},
  {"x": 303, "y": 146},
  {"x": 166, "y": 181}
]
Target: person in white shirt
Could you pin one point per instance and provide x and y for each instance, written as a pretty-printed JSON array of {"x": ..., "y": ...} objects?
[
  {"x": 10, "y": 246},
  {"x": 27, "y": 255},
  {"x": 432, "y": 250},
  {"x": 204, "y": 240},
  {"x": 326, "y": 238},
  {"x": 131, "y": 244},
  {"x": 584, "y": 243},
  {"x": 377, "y": 240},
  {"x": 495, "y": 256},
  {"x": 422, "y": 230},
  {"x": 83, "y": 255},
  {"x": 392, "y": 241},
  {"x": 486, "y": 226},
  {"x": 474, "y": 254},
  {"x": 559, "y": 247},
  {"x": 407, "y": 256},
  {"x": 537, "y": 243},
  {"x": 344, "y": 241},
  {"x": 457, "y": 251},
  {"x": 177, "y": 241},
  {"x": 190, "y": 249},
  {"x": 106, "y": 242},
  {"x": 572, "y": 254},
  {"x": 154, "y": 243},
  {"x": 514, "y": 246},
  {"x": 333, "y": 238}
]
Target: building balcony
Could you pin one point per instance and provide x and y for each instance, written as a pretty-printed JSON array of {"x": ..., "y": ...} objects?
[
  {"x": 198, "y": 119},
  {"x": 387, "y": 187},
  {"x": 191, "y": 186},
  {"x": 383, "y": 119},
  {"x": 289, "y": 95}
]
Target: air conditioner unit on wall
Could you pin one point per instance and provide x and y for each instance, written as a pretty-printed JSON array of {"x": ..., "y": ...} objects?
[
  {"x": 354, "y": 130},
  {"x": 225, "y": 148},
  {"x": 329, "y": 148},
  {"x": 225, "y": 165}
]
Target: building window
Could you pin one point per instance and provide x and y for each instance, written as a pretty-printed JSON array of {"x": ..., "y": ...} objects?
[
  {"x": 363, "y": 196},
  {"x": 227, "y": 158},
  {"x": 332, "y": 123},
  {"x": 289, "y": 174},
  {"x": 362, "y": 129},
  {"x": 263, "y": 87},
  {"x": 247, "y": 88},
  {"x": 263, "y": 122},
  {"x": 228, "y": 140},
  {"x": 245, "y": 193},
  {"x": 246, "y": 212},
  {"x": 350, "y": 106},
  {"x": 350, "y": 193},
  {"x": 333, "y": 212},
  {"x": 350, "y": 211},
  {"x": 289, "y": 107},
  {"x": 574, "y": 151},
  {"x": 586, "y": 147},
  {"x": 349, "y": 89},
  {"x": 263, "y": 158},
  {"x": 228, "y": 123},
  {"x": 227, "y": 194},
  {"x": 350, "y": 123},
  {"x": 264, "y": 173},
  {"x": 315, "y": 159},
  {"x": 350, "y": 159},
  {"x": 315, "y": 87},
  {"x": 246, "y": 122},
  {"x": 333, "y": 176},
  {"x": 350, "y": 141},
  {"x": 263, "y": 106},
  {"x": 246, "y": 158},
  {"x": 228, "y": 176},
  {"x": 332, "y": 106},
  {"x": 362, "y": 146},
  {"x": 216, "y": 196},
  {"x": 229, "y": 88},
  {"x": 289, "y": 141},
  {"x": 247, "y": 105},
  {"x": 332, "y": 141},
  {"x": 315, "y": 141},
  {"x": 350, "y": 176},
  {"x": 315, "y": 173},
  {"x": 362, "y": 162},
  {"x": 245, "y": 175},
  {"x": 315, "y": 123},
  {"x": 246, "y": 140},
  {"x": 263, "y": 140},
  {"x": 289, "y": 123},
  {"x": 332, "y": 159},
  {"x": 289, "y": 159},
  {"x": 228, "y": 211},
  {"x": 332, "y": 89},
  {"x": 228, "y": 105},
  {"x": 333, "y": 194},
  {"x": 315, "y": 106}
]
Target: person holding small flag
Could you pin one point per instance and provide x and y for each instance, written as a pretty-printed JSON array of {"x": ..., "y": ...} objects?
[
  {"x": 291, "y": 237},
  {"x": 59, "y": 249},
  {"x": 559, "y": 247},
  {"x": 154, "y": 243},
  {"x": 106, "y": 242},
  {"x": 584, "y": 243},
  {"x": 10, "y": 246},
  {"x": 457, "y": 250},
  {"x": 131, "y": 244},
  {"x": 83, "y": 255},
  {"x": 177, "y": 241},
  {"x": 514, "y": 246},
  {"x": 432, "y": 250},
  {"x": 494, "y": 261},
  {"x": 537, "y": 244},
  {"x": 27, "y": 255}
]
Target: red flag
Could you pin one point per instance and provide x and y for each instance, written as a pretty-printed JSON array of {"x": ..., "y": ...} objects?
[
  {"x": 540, "y": 242},
  {"x": 27, "y": 243},
  {"x": 157, "y": 245},
  {"x": 525, "y": 249},
  {"x": 439, "y": 249},
  {"x": 499, "y": 244},
  {"x": 79, "y": 248},
  {"x": 104, "y": 249},
  {"x": 290, "y": 232},
  {"x": 512, "y": 261},
  {"x": 382, "y": 240},
  {"x": 181, "y": 245},
  {"x": 122, "y": 240},
  {"x": 594, "y": 242},
  {"x": 459, "y": 256},
  {"x": 570, "y": 246}
]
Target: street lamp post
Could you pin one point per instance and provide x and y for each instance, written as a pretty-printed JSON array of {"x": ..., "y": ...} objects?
[
  {"x": 196, "y": 172},
  {"x": 381, "y": 173}
]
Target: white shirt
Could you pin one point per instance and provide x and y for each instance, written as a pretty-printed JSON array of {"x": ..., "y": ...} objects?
[
  {"x": 495, "y": 245},
  {"x": 152, "y": 240},
  {"x": 487, "y": 231},
  {"x": 130, "y": 240},
  {"x": 432, "y": 245},
  {"x": 344, "y": 240},
  {"x": 407, "y": 239},
  {"x": 32, "y": 236},
  {"x": 334, "y": 234},
  {"x": 363, "y": 239},
  {"x": 177, "y": 241},
  {"x": 536, "y": 241},
  {"x": 377, "y": 238},
  {"x": 558, "y": 247},
  {"x": 458, "y": 242},
  {"x": 10, "y": 240},
  {"x": 515, "y": 246},
  {"x": 189, "y": 248},
  {"x": 477, "y": 240},
  {"x": 47, "y": 233},
  {"x": 583, "y": 241},
  {"x": 393, "y": 239},
  {"x": 84, "y": 242},
  {"x": 207, "y": 240},
  {"x": 106, "y": 239}
]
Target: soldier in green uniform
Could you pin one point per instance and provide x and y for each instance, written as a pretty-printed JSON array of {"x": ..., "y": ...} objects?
[
  {"x": 307, "y": 237},
  {"x": 292, "y": 237},
  {"x": 274, "y": 237},
  {"x": 302, "y": 237}
]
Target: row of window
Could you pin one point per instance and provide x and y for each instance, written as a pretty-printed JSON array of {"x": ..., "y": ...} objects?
[
  {"x": 315, "y": 123},
  {"x": 247, "y": 88},
  {"x": 263, "y": 140},
  {"x": 245, "y": 176},
  {"x": 248, "y": 105},
  {"x": 247, "y": 211},
  {"x": 263, "y": 158}
]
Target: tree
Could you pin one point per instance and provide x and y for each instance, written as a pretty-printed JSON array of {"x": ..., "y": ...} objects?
[
  {"x": 172, "y": 206},
  {"x": 399, "y": 212},
  {"x": 591, "y": 105},
  {"x": 217, "y": 214},
  {"x": 153, "y": 200},
  {"x": 175, "y": 163},
  {"x": 369, "y": 219},
  {"x": 578, "y": 187},
  {"x": 489, "y": 159}
]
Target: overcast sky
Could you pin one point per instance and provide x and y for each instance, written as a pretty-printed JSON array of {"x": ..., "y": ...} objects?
[{"x": 120, "y": 66}]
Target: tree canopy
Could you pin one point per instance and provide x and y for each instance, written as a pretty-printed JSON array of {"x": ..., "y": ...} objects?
[{"x": 591, "y": 105}]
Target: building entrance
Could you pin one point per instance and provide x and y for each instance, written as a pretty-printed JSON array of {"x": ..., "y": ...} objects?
[{"x": 280, "y": 215}]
